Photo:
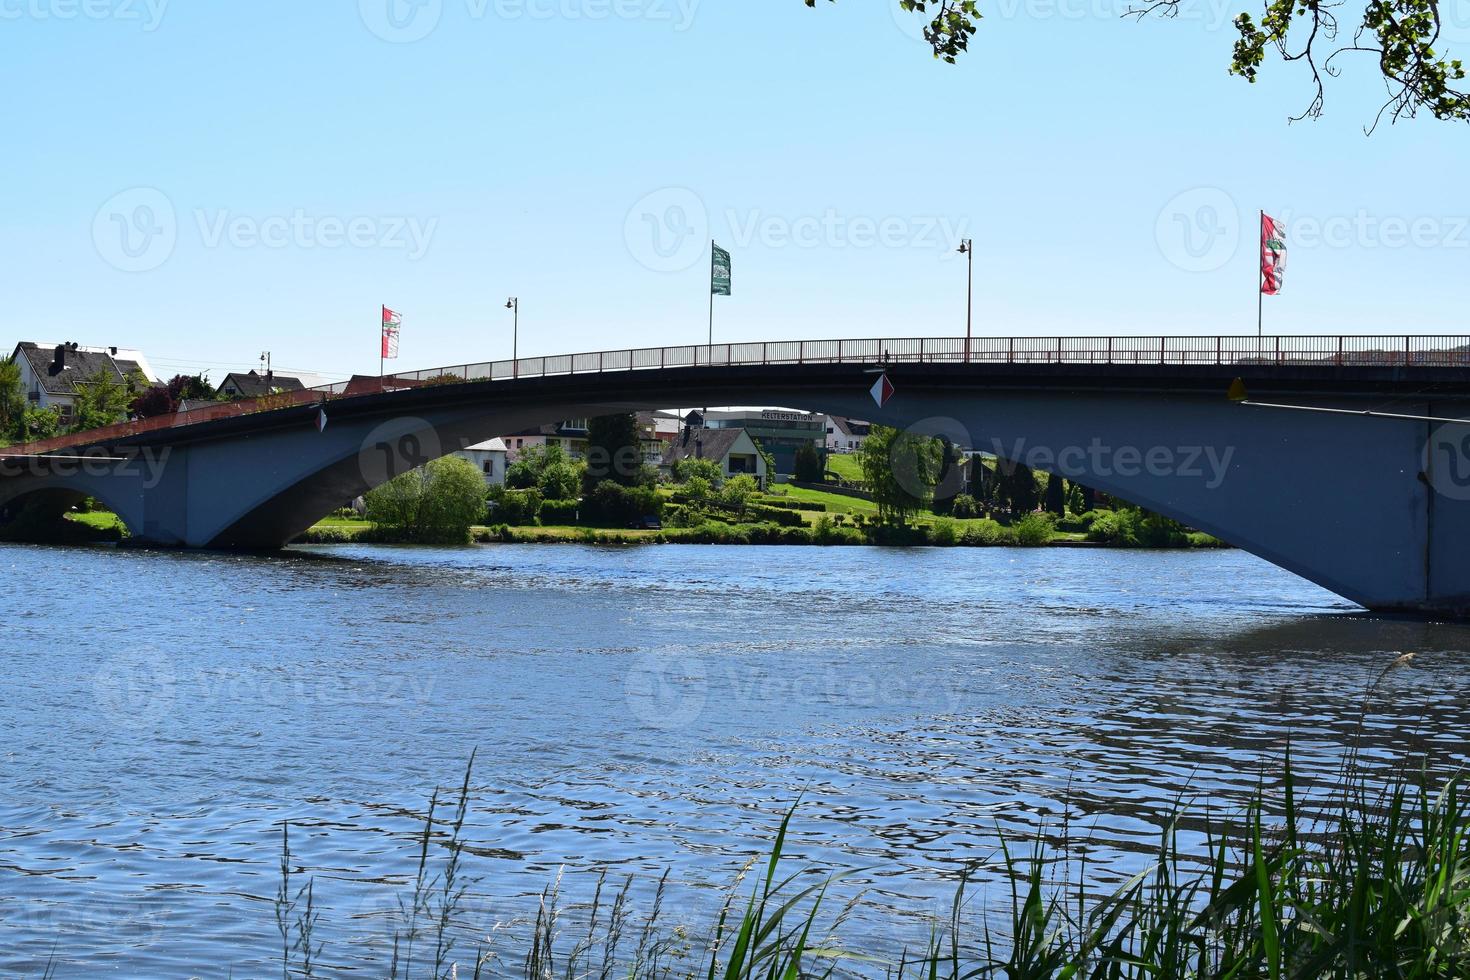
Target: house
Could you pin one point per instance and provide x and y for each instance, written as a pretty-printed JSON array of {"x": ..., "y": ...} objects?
[
  {"x": 489, "y": 458},
  {"x": 51, "y": 372},
  {"x": 845, "y": 435},
  {"x": 733, "y": 449},
  {"x": 657, "y": 431},
  {"x": 253, "y": 385},
  {"x": 780, "y": 432},
  {"x": 570, "y": 435}
]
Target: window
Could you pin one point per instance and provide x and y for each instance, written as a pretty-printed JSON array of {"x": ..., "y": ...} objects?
[{"x": 489, "y": 467}]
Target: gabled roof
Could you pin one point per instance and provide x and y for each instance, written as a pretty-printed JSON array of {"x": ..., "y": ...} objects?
[
  {"x": 496, "y": 445},
  {"x": 79, "y": 366},
  {"x": 713, "y": 444},
  {"x": 850, "y": 427},
  {"x": 253, "y": 385}
]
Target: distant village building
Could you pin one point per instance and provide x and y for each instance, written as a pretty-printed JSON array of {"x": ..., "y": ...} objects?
[
  {"x": 253, "y": 385},
  {"x": 570, "y": 435},
  {"x": 778, "y": 431},
  {"x": 733, "y": 450},
  {"x": 845, "y": 435},
  {"x": 50, "y": 373},
  {"x": 489, "y": 458}
]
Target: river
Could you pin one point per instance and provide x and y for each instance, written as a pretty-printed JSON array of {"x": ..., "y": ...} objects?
[{"x": 637, "y": 709}]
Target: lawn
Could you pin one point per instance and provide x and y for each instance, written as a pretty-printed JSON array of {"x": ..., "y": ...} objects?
[{"x": 846, "y": 466}]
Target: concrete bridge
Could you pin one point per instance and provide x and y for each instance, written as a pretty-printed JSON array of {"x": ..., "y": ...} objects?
[{"x": 1357, "y": 479}]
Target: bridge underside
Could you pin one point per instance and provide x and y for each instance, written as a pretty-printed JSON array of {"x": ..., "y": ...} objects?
[{"x": 1368, "y": 507}]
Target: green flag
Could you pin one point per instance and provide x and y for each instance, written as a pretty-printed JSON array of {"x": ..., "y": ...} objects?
[{"x": 719, "y": 279}]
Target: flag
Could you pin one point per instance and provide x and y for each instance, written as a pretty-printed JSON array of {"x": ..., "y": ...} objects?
[
  {"x": 1273, "y": 254},
  {"x": 391, "y": 324},
  {"x": 719, "y": 279}
]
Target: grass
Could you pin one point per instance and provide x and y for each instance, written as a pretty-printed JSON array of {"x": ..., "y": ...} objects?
[
  {"x": 846, "y": 466},
  {"x": 1370, "y": 881}
]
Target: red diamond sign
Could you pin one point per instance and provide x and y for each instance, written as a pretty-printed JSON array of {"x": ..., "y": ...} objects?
[{"x": 882, "y": 391}]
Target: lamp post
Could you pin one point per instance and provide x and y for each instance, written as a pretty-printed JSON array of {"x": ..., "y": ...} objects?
[
  {"x": 514, "y": 304},
  {"x": 967, "y": 249}
]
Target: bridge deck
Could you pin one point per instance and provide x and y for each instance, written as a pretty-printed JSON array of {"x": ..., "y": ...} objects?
[{"x": 1253, "y": 353}]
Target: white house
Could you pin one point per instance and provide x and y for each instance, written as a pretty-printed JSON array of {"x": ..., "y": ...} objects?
[
  {"x": 845, "y": 435},
  {"x": 570, "y": 435},
  {"x": 50, "y": 372},
  {"x": 489, "y": 458},
  {"x": 733, "y": 449}
]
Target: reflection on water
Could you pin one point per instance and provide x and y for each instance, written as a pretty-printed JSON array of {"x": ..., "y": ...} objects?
[{"x": 638, "y": 709}]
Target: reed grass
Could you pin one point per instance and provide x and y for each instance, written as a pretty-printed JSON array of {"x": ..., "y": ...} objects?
[{"x": 1371, "y": 882}]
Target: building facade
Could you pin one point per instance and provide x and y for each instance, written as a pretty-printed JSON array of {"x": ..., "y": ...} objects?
[
  {"x": 778, "y": 431},
  {"x": 51, "y": 373},
  {"x": 489, "y": 458},
  {"x": 733, "y": 450}
]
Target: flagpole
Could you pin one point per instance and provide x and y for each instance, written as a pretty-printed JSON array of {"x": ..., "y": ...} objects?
[
  {"x": 1260, "y": 286},
  {"x": 381, "y": 385},
  {"x": 711, "y": 296}
]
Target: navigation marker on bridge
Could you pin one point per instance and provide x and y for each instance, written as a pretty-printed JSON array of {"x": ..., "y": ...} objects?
[
  {"x": 321, "y": 420},
  {"x": 882, "y": 390}
]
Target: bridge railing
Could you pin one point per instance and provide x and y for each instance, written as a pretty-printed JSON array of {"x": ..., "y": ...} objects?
[{"x": 1342, "y": 351}]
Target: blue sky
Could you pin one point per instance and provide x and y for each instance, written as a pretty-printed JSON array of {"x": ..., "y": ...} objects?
[{"x": 300, "y": 163}]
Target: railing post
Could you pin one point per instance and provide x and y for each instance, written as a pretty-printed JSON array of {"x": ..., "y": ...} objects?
[
  {"x": 1110, "y": 350},
  {"x": 1278, "y": 350},
  {"x": 662, "y": 355},
  {"x": 801, "y": 352},
  {"x": 1011, "y": 353},
  {"x": 765, "y": 357},
  {"x": 839, "y": 352},
  {"x": 1219, "y": 358},
  {"x": 1059, "y": 350},
  {"x": 1161, "y": 350},
  {"x": 599, "y": 362},
  {"x": 1339, "y": 352},
  {"x": 921, "y": 350},
  {"x": 1406, "y": 351}
]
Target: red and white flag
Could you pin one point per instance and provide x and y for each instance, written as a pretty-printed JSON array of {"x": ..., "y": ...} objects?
[
  {"x": 1273, "y": 254},
  {"x": 392, "y": 322}
]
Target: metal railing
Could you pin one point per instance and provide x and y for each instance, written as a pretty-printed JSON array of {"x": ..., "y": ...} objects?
[{"x": 1343, "y": 351}]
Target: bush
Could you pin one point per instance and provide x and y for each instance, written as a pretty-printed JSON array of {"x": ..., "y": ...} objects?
[
  {"x": 1035, "y": 529},
  {"x": 559, "y": 511},
  {"x": 737, "y": 492},
  {"x": 964, "y": 506},
  {"x": 785, "y": 518},
  {"x": 705, "y": 469},
  {"x": 985, "y": 533},
  {"x": 615, "y": 505},
  {"x": 810, "y": 506},
  {"x": 518, "y": 507},
  {"x": 944, "y": 533}
]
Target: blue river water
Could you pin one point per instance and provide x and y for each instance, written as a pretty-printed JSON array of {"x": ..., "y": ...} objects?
[{"x": 637, "y": 710}]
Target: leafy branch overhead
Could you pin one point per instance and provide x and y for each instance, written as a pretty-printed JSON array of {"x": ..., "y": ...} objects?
[{"x": 1402, "y": 36}]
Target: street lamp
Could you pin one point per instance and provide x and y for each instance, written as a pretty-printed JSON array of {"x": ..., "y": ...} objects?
[
  {"x": 514, "y": 303},
  {"x": 967, "y": 249}
]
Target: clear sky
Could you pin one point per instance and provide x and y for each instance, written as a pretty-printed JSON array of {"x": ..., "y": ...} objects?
[{"x": 207, "y": 180}]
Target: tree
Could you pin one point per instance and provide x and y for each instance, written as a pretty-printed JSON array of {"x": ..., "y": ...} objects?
[
  {"x": 692, "y": 467},
  {"x": 12, "y": 400},
  {"x": 1056, "y": 495},
  {"x": 809, "y": 467},
  {"x": 1401, "y": 36},
  {"x": 736, "y": 493},
  {"x": 1016, "y": 487},
  {"x": 101, "y": 401},
  {"x": 436, "y": 502},
  {"x": 547, "y": 469},
  {"x": 901, "y": 470},
  {"x": 614, "y": 451}
]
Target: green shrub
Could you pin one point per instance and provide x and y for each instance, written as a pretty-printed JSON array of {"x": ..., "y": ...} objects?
[
  {"x": 559, "y": 511},
  {"x": 614, "y": 505},
  {"x": 517, "y": 507},
  {"x": 811, "y": 506},
  {"x": 1035, "y": 529},
  {"x": 785, "y": 518},
  {"x": 964, "y": 506},
  {"x": 944, "y": 533},
  {"x": 705, "y": 469},
  {"x": 985, "y": 533}
]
